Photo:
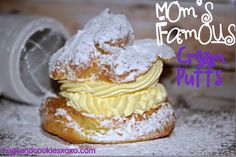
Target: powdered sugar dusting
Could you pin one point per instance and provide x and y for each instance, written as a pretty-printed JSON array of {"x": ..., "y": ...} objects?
[
  {"x": 60, "y": 112},
  {"x": 134, "y": 129},
  {"x": 108, "y": 39},
  {"x": 49, "y": 94},
  {"x": 127, "y": 131},
  {"x": 89, "y": 115},
  {"x": 70, "y": 123},
  {"x": 197, "y": 133}
]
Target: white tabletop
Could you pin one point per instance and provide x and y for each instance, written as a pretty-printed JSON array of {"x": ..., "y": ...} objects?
[{"x": 196, "y": 133}]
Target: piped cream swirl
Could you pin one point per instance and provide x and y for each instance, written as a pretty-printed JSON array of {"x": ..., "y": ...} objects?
[
  {"x": 116, "y": 99},
  {"x": 105, "y": 89}
]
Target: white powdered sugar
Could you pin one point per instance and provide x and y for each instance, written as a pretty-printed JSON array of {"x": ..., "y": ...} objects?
[
  {"x": 60, "y": 112},
  {"x": 129, "y": 130},
  {"x": 106, "y": 123},
  {"x": 108, "y": 39},
  {"x": 197, "y": 133},
  {"x": 49, "y": 94},
  {"x": 137, "y": 58},
  {"x": 134, "y": 129},
  {"x": 89, "y": 115},
  {"x": 70, "y": 122}
]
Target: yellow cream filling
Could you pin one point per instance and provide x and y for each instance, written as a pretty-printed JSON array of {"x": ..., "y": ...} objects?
[
  {"x": 105, "y": 89},
  {"x": 105, "y": 98}
]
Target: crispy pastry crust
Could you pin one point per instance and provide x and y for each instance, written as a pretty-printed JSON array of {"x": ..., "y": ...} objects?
[
  {"x": 69, "y": 124},
  {"x": 103, "y": 73},
  {"x": 105, "y": 50}
]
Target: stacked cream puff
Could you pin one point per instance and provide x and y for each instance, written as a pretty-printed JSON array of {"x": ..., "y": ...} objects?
[{"x": 110, "y": 90}]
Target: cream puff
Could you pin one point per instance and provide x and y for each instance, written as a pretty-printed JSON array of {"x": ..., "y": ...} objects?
[{"x": 110, "y": 90}]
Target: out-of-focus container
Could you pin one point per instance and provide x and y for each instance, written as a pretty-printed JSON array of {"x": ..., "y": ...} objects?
[{"x": 26, "y": 44}]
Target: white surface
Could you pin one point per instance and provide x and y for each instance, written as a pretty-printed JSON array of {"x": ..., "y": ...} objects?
[{"x": 196, "y": 133}]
